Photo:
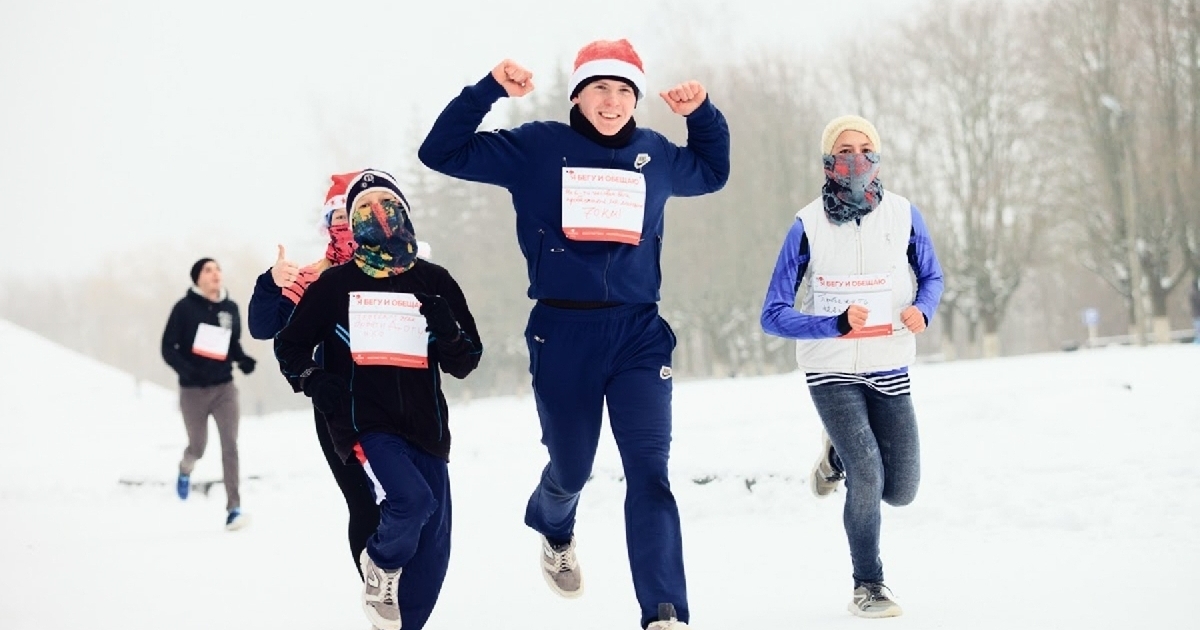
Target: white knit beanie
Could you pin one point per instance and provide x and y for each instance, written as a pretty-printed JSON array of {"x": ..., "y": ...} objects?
[{"x": 848, "y": 123}]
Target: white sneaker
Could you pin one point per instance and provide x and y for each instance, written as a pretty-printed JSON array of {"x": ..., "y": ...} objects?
[
  {"x": 379, "y": 594},
  {"x": 825, "y": 477},
  {"x": 560, "y": 567},
  {"x": 235, "y": 519},
  {"x": 873, "y": 600}
]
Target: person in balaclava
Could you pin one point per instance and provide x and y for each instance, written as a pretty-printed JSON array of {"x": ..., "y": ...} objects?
[
  {"x": 856, "y": 280},
  {"x": 388, "y": 322},
  {"x": 276, "y": 293}
]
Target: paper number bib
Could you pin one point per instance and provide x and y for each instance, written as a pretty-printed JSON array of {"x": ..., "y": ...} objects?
[
  {"x": 603, "y": 204},
  {"x": 832, "y": 295},
  {"x": 388, "y": 329},
  {"x": 212, "y": 342}
]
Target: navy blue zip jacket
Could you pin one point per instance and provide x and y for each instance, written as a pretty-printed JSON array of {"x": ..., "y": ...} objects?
[
  {"x": 269, "y": 308},
  {"x": 402, "y": 401},
  {"x": 528, "y": 161}
]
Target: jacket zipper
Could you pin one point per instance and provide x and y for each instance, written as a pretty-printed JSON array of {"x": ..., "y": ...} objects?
[
  {"x": 537, "y": 262},
  {"x": 607, "y": 263}
]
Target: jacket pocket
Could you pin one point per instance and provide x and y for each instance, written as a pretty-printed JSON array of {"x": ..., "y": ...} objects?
[
  {"x": 534, "y": 343},
  {"x": 658, "y": 262},
  {"x": 670, "y": 332}
]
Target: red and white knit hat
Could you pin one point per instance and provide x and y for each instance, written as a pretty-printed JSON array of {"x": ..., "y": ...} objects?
[
  {"x": 335, "y": 198},
  {"x": 608, "y": 58}
]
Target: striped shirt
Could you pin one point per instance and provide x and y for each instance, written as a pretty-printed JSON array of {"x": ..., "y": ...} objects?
[{"x": 889, "y": 383}]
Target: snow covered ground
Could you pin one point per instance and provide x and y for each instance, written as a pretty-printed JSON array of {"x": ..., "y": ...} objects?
[{"x": 1059, "y": 491}]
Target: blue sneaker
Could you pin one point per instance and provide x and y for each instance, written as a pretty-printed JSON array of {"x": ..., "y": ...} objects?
[
  {"x": 183, "y": 485},
  {"x": 236, "y": 520}
]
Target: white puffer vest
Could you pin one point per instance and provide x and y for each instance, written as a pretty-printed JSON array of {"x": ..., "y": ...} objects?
[{"x": 877, "y": 244}]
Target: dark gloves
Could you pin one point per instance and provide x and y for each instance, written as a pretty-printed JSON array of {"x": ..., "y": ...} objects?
[
  {"x": 329, "y": 392},
  {"x": 843, "y": 323},
  {"x": 438, "y": 317},
  {"x": 246, "y": 365}
]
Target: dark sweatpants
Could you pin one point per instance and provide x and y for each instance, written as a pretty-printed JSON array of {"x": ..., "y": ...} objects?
[
  {"x": 579, "y": 360},
  {"x": 352, "y": 480},
  {"x": 414, "y": 521}
]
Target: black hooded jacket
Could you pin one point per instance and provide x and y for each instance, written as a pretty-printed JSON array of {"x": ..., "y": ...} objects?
[{"x": 187, "y": 315}]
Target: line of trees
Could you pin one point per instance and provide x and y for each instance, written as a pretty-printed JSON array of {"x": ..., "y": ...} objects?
[{"x": 1054, "y": 148}]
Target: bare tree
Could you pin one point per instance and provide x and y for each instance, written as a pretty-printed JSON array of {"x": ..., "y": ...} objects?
[
  {"x": 720, "y": 249},
  {"x": 959, "y": 100},
  {"x": 1167, "y": 210},
  {"x": 1127, "y": 93}
]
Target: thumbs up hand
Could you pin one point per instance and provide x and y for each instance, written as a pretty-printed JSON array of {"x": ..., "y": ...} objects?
[{"x": 284, "y": 271}]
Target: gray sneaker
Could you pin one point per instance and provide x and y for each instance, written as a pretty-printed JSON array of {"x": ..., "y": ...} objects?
[
  {"x": 561, "y": 569},
  {"x": 826, "y": 476},
  {"x": 379, "y": 594},
  {"x": 874, "y": 600}
]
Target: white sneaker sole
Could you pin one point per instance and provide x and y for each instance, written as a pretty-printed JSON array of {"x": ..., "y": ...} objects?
[
  {"x": 576, "y": 594},
  {"x": 241, "y": 522},
  {"x": 377, "y": 622},
  {"x": 894, "y": 611}
]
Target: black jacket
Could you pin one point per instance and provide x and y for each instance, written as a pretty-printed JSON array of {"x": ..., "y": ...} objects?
[
  {"x": 187, "y": 315},
  {"x": 403, "y": 401}
]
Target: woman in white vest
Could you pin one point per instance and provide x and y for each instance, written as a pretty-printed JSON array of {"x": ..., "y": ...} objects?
[{"x": 856, "y": 280}]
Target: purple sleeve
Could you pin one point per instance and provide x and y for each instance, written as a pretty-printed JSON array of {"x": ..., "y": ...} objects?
[
  {"x": 926, "y": 267},
  {"x": 779, "y": 315}
]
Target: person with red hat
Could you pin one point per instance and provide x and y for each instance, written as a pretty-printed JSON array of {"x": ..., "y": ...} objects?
[
  {"x": 589, "y": 198},
  {"x": 276, "y": 293}
]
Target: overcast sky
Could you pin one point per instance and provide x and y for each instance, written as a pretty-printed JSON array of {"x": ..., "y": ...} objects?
[{"x": 134, "y": 123}]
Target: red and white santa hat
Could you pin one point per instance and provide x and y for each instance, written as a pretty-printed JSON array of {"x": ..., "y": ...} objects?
[
  {"x": 608, "y": 58},
  {"x": 335, "y": 198}
]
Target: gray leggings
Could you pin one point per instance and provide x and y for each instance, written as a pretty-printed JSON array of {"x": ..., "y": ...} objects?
[
  {"x": 221, "y": 402},
  {"x": 875, "y": 436}
]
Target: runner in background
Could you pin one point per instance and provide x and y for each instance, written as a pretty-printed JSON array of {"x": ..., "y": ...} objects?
[{"x": 202, "y": 343}]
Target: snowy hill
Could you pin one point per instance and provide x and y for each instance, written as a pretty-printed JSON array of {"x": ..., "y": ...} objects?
[{"x": 1059, "y": 491}]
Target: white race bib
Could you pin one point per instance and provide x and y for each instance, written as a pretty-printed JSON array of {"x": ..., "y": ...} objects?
[
  {"x": 603, "y": 204},
  {"x": 388, "y": 329},
  {"x": 832, "y": 295},
  {"x": 212, "y": 342}
]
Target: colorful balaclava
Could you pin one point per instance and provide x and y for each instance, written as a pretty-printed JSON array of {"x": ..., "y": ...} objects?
[{"x": 386, "y": 244}]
